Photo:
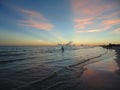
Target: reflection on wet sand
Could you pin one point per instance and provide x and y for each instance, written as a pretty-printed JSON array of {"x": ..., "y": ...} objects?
[
  {"x": 100, "y": 80},
  {"x": 102, "y": 75}
]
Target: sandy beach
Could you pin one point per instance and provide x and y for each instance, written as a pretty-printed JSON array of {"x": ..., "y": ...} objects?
[{"x": 103, "y": 75}]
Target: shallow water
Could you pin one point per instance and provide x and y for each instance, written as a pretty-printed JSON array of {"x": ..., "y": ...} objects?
[{"x": 43, "y": 68}]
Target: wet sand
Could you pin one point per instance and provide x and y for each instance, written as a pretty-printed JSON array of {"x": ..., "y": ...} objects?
[{"x": 103, "y": 75}]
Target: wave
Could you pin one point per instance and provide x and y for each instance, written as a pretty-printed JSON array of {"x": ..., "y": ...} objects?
[
  {"x": 44, "y": 83},
  {"x": 3, "y": 54},
  {"x": 41, "y": 83},
  {"x": 57, "y": 60},
  {"x": 87, "y": 60},
  {"x": 7, "y": 61}
]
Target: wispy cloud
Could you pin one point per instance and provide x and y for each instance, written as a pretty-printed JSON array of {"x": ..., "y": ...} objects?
[
  {"x": 84, "y": 31},
  {"x": 94, "y": 13},
  {"x": 103, "y": 25},
  {"x": 90, "y": 7},
  {"x": 93, "y": 30},
  {"x": 82, "y": 22},
  {"x": 33, "y": 14},
  {"x": 117, "y": 31},
  {"x": 111, "y": 22},
  {"x": 112, "y": 15},
  {"x": 35, "y": 24},
  {"x": 35, "y": 20}
]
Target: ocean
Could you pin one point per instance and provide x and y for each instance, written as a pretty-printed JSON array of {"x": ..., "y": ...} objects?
[{"x": 46, "y": 68}]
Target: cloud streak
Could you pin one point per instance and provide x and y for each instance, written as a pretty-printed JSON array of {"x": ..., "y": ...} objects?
[
  {"x": 90, "y": 31},
  {"x": 35, "y": 20},
  {"x": 116, "y": 31},
  {"x": 89, "y": 7},
  {"x": 94, "y": 15},
  {"x": 85, "y": 31},
  {"x": 35, "y": 24},
  {"x": 82, "y": 22},
  {"x": 33, "y": 14},
  {"x": 111, "y": 22}
]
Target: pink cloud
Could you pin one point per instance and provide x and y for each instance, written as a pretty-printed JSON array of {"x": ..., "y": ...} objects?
[
  {"x": 84, "y": 31},
  {"x": 33, "y": 14},
  {"x": 93, "y": 30},
  {"x": 90, "y": 7},
  {"x": 79, "y": 26},
  {"x": 35, "y": 24},
  {"x": 89, "y": 13},
  {"x": 111, "y": 21},
  {"x": 82, "y": 22},
  {"x": 107, "y": 24},
  {"x": 117, "y": 31},
  {"x": 109, "y": 16},
  {"x": 35, "y": 20},
  {"x": 103, "y": 26}
]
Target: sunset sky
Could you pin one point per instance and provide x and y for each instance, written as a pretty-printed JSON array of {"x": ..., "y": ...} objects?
[{"x": 49, "y": 22}]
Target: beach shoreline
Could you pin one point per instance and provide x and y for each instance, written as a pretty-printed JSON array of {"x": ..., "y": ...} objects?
[
  {"x": 99, "y": 72},
  {"x": 107, "y": 78},
  {"x": 89, "y": 76}
]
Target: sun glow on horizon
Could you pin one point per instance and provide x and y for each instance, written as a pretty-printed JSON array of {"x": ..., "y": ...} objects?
[{"x": 47, "y": 23}]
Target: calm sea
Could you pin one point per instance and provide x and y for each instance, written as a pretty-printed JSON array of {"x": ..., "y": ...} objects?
[{"x": 45, "y": 68}]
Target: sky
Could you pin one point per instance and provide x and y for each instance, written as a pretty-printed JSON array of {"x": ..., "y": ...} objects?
[{"x": 49, "y": 22}]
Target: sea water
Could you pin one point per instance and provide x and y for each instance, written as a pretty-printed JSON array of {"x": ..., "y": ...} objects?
[{"x": 45, "y": 68}]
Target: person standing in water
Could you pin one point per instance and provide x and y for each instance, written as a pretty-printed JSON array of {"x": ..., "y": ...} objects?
[
  {"x": 62, "y": 49},
  {"x": 110, "y": 46}
]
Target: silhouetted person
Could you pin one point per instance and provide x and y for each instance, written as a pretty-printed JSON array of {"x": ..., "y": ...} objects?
[
  {"x": 62, "y": 49},
  {"x": 110, "y": 45}
]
